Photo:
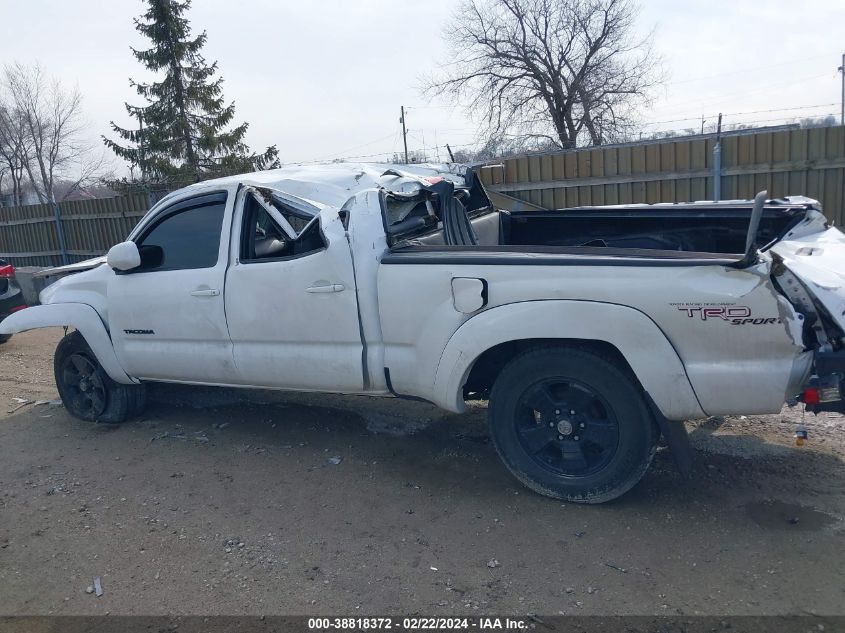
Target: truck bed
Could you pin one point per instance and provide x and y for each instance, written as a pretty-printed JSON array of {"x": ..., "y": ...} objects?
[{"x": 660, "y": 234}]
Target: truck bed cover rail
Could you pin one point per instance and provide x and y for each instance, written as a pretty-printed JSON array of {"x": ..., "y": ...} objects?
[{"x": 553, "y": 256}]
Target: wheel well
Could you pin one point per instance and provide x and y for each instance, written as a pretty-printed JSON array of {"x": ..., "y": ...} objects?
[{"x": 487, "y": 367}]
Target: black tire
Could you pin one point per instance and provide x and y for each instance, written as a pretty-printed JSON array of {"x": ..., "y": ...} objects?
[
  {"x": 87, "y": 391},
  {"x": 4, "y": 338},
  {"x": 571, "y": 423}
]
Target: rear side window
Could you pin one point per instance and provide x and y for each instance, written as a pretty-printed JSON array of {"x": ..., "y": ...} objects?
[
  {"x": 264, "y": 239},
  {"x": 185, "y": 239}
]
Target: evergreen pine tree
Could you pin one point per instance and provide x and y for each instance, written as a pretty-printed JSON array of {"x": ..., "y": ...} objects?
[{"x": 182, "y": 131}]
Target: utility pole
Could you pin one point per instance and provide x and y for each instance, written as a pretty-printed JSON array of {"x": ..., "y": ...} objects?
[
  {"x": 717, "y": 162},
  {"x": 404, "y": 133},
  {"x": 842, "y": 72}
]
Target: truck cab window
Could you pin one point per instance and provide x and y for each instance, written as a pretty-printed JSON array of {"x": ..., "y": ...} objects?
[
  {"x": 184, "y": 239},
  {"x": 263, "y": 238}
]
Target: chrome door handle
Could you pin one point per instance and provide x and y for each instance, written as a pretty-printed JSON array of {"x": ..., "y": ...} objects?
[
  {"x": 207, "y": 292},
  {"x": 326, "y": 288}
]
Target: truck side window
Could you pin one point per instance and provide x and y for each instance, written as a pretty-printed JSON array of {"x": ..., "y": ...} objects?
[
  {"x": 183, "y": 240},
  {"x": 263, "y": 239}
]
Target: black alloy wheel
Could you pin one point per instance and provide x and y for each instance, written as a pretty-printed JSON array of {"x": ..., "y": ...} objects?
[
  {"x": 567, "y": 427},
  {"x": 83, "y": 383}
]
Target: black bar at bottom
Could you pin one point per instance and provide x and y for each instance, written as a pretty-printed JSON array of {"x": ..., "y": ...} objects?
[{"x": 351, "y": 622}]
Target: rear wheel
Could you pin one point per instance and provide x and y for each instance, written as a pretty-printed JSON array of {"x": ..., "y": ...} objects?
[
  {"x": 86, "y": 389},
  {"x": 570, "y": 423}
]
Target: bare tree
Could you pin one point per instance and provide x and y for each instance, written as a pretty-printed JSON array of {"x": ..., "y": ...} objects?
[
  {"x": 567, "y": 71},
  {"x": 53, "y": 127},
  {"x": 15, "y": 148},
  {"x": 826, "y": 120}
]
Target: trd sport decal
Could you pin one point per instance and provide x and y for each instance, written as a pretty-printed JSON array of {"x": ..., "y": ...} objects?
[
  {"x": 138, "y": 332},
  {"x": 735, "y": 315}
]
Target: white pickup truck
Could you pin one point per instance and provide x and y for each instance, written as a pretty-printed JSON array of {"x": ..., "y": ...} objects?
[{"x": 590, "y": 330}]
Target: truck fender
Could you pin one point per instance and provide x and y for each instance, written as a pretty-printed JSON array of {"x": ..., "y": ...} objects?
[
  {"x": 651, "y": 356},
  {"x": 78, "y": 315}
]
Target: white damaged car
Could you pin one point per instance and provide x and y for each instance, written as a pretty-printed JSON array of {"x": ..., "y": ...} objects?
[{"x": 591, "y": 330}]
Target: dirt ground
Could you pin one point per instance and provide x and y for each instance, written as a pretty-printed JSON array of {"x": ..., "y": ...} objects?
[{"x": 249, "y": 502}]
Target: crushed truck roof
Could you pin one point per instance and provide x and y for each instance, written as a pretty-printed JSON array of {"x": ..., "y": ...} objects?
[{"x": 333, "y": 184}]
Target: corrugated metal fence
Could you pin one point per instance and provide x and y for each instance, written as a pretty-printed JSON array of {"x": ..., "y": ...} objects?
[
  {"x": 29, "y": 235},
  {"x": 808, "y": 162}
]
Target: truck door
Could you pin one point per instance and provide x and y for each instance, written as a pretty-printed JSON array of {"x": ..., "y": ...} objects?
[
  {"x": 291, "y": 302},
  {"x": 166, "y": 317}
]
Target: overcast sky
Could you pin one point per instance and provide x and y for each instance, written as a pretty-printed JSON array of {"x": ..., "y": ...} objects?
[{"x": 326, "y": 79}]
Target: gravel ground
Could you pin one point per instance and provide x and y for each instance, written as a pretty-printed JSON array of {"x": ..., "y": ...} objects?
[{"x": 251, "y": 502}]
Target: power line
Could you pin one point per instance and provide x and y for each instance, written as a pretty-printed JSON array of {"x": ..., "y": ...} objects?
[
  {"x": 354, "y": 147},
  {"x": 412, "y": 134},
  {"x": 683, "y": 131},
  {"x": 379, "y": 154},
  {"x": 698, "y": 116},
  {"x": 395, "y": 139},
  {"x": 432, "y": 107},
  {"x": 339, "y": 158},
  {"x": 820, "y": 105},
  {"x": 747, "y": 70},
  {"x": 764, "y": 88}
]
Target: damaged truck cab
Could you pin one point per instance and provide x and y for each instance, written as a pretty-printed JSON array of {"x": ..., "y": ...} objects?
[{"x": 590, "y": 330}]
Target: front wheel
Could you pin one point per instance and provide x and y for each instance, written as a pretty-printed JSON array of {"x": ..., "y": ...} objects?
[
  {"x": 86, "y": 389},
  {"x": 570, "y": 423}
]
